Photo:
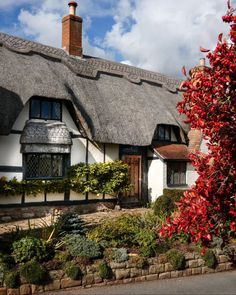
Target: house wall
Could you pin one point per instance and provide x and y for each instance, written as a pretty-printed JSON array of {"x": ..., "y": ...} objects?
[
  {"x": 82, "y": 150},
  {"x": 155, "y": 176}
]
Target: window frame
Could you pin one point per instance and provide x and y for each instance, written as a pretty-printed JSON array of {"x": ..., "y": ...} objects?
[
  {"x": 65, "y": 165},
  {"x": 184, "y": 170},
  {"x": 41, "y": 100}
]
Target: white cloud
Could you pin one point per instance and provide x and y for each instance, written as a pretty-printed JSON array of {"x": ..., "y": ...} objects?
[
  {"x": 153, "y": 34},
  {"x": 164, "y": 35}
]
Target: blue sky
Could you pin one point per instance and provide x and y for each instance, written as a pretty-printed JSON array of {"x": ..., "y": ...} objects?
[{"x": 152, "y": 34}]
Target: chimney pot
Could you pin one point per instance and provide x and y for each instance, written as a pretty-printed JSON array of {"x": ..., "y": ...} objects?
[
  {"x": 202, "y": 62},
  {"x": 72, "y": 5}
]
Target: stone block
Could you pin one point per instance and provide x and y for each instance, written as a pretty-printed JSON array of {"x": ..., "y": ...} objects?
[
  {"x": 54, "y": 285},
  {"x": 152, "y": 269},
  {"x": 37, "y": 289},
  {"x": 201, "y": 262},
  {"x": 88, "y": 279},
  {"x": 151, "y": 277},
  {"x": 90, "y": 269},
  {"x": 25, "y": 289},
  {"x": 97, "y": 279},
  {"x": 168, "y": 267},
  {"x": 3, "y": 291},
  {"x": 68, "y": 283},
  {"x": 196, "y": 271},
  {"x": 122, "y": 274},
  {"x": 220, "y": 267},
  {"x": 187, "y": 272},
  {"x": 140, "y": 279},
  {"x": 223, "y": 259},
  {"x": 229, "y": 266},
  {"x": 164, "y": 275},
  {"x": 28, "y": 215},
  {"x": 56, "y": 274},
  {"x": 193, "y": 263},
  {"x": 115, "y": 265},
  {"x": 135, "y": 272},
  {"x": 189, "y": 256},
  {"x": 206, "y": 269},
  {"x": 128, "y": 281},
  {"x": 6, "y": 218},
  {"x": 145, "y": 272},
  {"x": 162, "y": 258},
  {"x": 13, "y": 291},
  {"x": 176, "y": 273}
]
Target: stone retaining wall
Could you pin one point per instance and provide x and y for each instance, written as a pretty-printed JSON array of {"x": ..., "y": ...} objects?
[{"x": 128, "y": 272}]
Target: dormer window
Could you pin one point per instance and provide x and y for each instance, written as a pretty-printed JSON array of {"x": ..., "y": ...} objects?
[
  {"x": 163, "y": 133},
  {"x": 45, "y": 109}
]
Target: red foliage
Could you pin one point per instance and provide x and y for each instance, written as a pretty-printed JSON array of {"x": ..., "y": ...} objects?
[{"x": 209, "y": 102}]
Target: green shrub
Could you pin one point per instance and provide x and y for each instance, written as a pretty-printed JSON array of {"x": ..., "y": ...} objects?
[
  {"x": 117, "y": 232},
  {"x": 165, "y": 204},
  {"x": 104, "y": 270},
  {"x": 62, "y": 256},
  {"x": 176, "y": 259},
  {"x": 29, "y": 248},
  {"x": 72, "y": 270},
  {"x": 79, "y": 246},
  {"x": 139, "y": 261},
  {"x": 146, "y": 239},
  {"x": 163, "y": 246},
  {"x": 12, "y": 279},
  {"x": 33, "y": 272},
  {"x": 7, "y": 261},
  {"x": 116, "y": 254},
  {"x": 210, "y": 258},
  {"x": 70, "y": 223}
]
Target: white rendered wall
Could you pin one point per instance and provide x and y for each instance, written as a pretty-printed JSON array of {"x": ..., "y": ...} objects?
[
  {"x": 155, "y": 179},
  {"x": 112, "y": 152},
  {"x": 191, "y": 175},
  {"x": 78, "y": 151},
  {"x": 22, "y": 118},
  {"x": 95, "y": 153}
]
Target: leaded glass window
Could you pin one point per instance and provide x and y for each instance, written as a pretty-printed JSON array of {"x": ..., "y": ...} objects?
[
  {"x": 45, "y": 109},
  {"x": 163, "y": 133},
  {"x": 43, "y": 166},
  {"x": 176, "y": 173}
]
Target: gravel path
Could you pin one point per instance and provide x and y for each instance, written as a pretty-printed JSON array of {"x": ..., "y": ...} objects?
[{"x": 92, "y": 218}]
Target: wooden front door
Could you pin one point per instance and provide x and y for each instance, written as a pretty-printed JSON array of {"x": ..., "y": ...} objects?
[{"x": 135, "y": 163}]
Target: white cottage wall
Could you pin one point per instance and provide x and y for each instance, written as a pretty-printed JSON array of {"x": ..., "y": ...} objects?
[{"x": 155, "y": 177}]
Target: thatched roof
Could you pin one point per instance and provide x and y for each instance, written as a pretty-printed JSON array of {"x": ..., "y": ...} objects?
[{"x": 114, "y": 103}]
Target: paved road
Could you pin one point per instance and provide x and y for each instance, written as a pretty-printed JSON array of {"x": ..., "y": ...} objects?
[{"x": 217, "y": 284}]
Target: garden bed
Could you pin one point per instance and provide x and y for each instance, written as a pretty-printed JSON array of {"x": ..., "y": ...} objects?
[{"x": 120, "y": 250}]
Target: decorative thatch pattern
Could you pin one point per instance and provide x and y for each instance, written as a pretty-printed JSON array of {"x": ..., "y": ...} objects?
[{"x": 114, "y": 103}]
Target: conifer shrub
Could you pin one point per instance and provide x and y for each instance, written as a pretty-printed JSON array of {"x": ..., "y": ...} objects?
[
  {"x": 176, "y": 259},
  {"x": 70, "y": 223},
  {"x": 80, "y": 246},
  {"x": 210, "y": 258},
  {"x": 104, "y": 270},
  {"x": 72, "y": 270},
  {"x": 33, "y": 272}
]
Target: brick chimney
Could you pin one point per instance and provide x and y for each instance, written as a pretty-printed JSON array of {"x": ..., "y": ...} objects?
[{"x": 72, "y": 31}]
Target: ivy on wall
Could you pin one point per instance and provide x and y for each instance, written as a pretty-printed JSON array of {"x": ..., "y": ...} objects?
[{"x": 110, "y": 178}]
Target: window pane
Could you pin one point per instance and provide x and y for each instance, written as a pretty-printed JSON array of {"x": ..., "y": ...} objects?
[
  {"x": 35, "y": 108},
  {"x": 45, "y": 165},
  {"x": 176, "y": 173},
  {"x": 56, "y": 111},
  {"x": 57, "y": 161},
  {"x": 32, "y": 166},
  {"x": 161, "y": 132},
  {"x": 45, "y": 110},
  {"x": 167, "y": 133}
]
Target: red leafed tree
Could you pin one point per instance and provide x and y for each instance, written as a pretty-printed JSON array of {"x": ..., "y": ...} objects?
[{"x": 209, "y": 208}]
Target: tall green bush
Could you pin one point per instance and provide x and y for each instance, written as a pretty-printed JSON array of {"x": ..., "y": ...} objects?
[{"x": 165, "y": 204}]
